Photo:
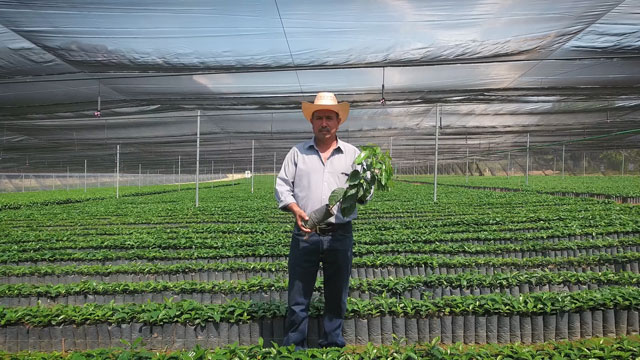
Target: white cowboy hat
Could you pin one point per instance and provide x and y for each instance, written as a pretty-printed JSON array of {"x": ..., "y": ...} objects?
[{"x": 328, "y": 101}]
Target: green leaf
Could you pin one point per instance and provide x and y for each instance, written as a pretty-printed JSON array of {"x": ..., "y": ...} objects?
[
  {"x": 348, "y": 205},
  {"x": 352, "y": 191},
  {"x": 336, "y": 196},
  {"x": 360, "y": 158},
  {"x": 361, "y": 191},
  {"x": 354, "y": 177}
]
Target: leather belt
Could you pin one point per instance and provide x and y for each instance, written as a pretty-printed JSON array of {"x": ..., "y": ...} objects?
[{"x": 329, "y": 228}]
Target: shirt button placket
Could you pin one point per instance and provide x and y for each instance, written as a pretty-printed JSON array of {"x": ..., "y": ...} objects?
[{"x": 324, "y": 184}]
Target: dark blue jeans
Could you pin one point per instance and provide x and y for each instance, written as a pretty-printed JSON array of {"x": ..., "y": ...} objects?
[{"x": 335, "y": 252}]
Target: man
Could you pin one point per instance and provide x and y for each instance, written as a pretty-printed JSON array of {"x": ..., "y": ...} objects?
[{"x": 310, "y": 172}]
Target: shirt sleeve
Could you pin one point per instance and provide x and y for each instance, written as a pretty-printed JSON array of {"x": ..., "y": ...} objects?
[{"x": 285, "y": 180}]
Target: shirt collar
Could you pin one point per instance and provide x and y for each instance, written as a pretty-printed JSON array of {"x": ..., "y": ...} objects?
[{"x": 312, "y": 143}]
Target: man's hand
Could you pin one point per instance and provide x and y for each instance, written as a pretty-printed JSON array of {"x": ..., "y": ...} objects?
[{"x": 300, "y": 215}]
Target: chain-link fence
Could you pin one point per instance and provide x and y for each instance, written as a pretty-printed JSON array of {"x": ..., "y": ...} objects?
[
  {"x": 547, "y": 162},
  {"x": 24, "y": 182}
]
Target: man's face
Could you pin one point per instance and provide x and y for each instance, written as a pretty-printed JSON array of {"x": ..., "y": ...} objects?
[{"x": 325, "y": 124}]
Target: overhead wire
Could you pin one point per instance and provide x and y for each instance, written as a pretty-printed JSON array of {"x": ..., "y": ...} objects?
[{"x": 288, "y": 46}]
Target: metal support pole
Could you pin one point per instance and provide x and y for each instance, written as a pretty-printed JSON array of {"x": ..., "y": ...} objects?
[
  {"x": 527, "y": 176},
  {"x": 67, "y": 178},
  {"x": 563, "y": 161},
  {"x": 85, "y": 175},
  {"x": 53, "y": 182},
  {"x": 508, "y": 164},
  {"x": 252, "y": 156},
  {"x": 212, "y": 174},
  {"x": 23, "y": 182},
  {"x": 391, "y": 154},
  {"x": 198, "y": 162},
  {"x": 554, "y": 164},
  {"x": 622, "y": 169},
  {"x": 118, "y": 171},
  {"x": 584, "y": 163},
  {"x": 435, "y": 166},
  {"x": 466, "y": 171},
  {"x": 179, "y": 173},
  {"x": 233, "y": 174},
  {"x": 139, "y": 175}
]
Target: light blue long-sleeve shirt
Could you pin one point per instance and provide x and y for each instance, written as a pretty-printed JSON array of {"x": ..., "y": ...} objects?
[{"x": 305, "y": 180}]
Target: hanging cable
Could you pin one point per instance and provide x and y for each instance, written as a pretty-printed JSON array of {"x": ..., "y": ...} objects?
[{"x": 288, "y": 47}]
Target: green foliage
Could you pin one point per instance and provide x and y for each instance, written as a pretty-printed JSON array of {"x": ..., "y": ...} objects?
[
  {"x": 239, "y": 311},
  {"x": 403, "y": 229},
  {"x": 336, "y": 196},
  {"x": 421, "y": 247},
  {"x": 62, "y": 197},
  {"x": 395, "y": 287},
  {"x": 627, "y": 186},
  {"x": 623, "y": 348},
  {"x": 374, "y": 172},
  {"x": 381, "y": 261}
]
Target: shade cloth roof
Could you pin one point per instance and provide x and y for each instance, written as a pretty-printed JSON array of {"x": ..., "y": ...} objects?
[{"x": 494, "y": 70}]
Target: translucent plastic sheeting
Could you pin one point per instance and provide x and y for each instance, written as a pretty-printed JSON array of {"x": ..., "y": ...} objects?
[
  {"x": 19, "y": 57},
  {"x": 555, "y": 69},
  {"x": 616, "y": 32},
  {"x": 226, "y": 136},
  {"x": 498, "y": 82},
  {"x": 204, "y": 34},
  {"x": 477, "y": 116}
]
